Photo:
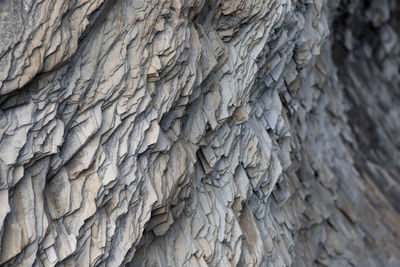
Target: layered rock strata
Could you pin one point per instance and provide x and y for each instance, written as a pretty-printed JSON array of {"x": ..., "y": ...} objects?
[{"x": 200, "y": 133}]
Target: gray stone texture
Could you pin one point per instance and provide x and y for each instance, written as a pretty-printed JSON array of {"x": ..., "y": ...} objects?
[{"x": 200, "y": 133}]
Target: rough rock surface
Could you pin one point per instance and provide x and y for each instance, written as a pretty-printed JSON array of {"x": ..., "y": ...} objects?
[{"x": 200, "y": 133}]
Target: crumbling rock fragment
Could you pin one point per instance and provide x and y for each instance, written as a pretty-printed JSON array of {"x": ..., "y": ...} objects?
[{"x": 200, "y": 133}]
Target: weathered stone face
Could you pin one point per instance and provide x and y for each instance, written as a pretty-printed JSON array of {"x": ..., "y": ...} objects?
[{"x": 200, "y": 133}]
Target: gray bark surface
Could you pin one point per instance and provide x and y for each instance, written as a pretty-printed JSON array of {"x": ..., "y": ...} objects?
[{"x": 200, "y": 133}]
